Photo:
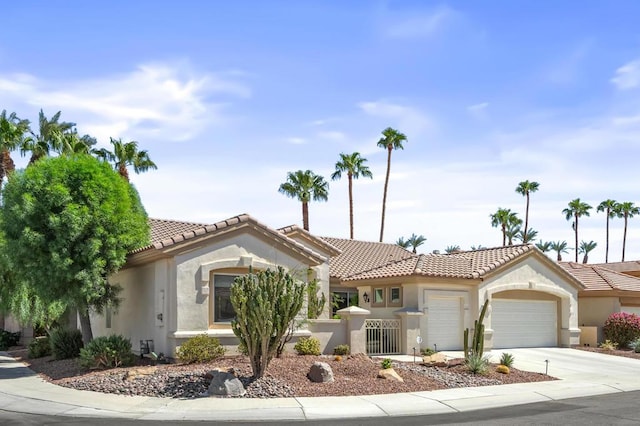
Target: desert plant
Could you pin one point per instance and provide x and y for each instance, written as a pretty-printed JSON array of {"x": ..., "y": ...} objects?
[
  {"x": 341, "y": 350},
  {"x": 8, "y": 339},
  {"x": 65, "y": 343},
  {"x": 107, "y": 352},
  {"x": 307, "y": 346},
  {"x": 338, "y": 358},
  {"x": 502, "y": 369},
  {"x": 427, "y": 351},
  {"x": 477, "y": 364},
  {"x": 477, "y": 343},
  {"x": 635, "y": 345},
  {"x": 201, "y": 348},
  {"x": 315, "y": 304},
  {"x": 622, "y": 328},
  {"x": 386, "y": 363},
  {"x": 39, "y": 347},
  {"x": 608, "y": 345},
  {"x": 265, "y": 303},
  {"x": 507, "y": 359}
]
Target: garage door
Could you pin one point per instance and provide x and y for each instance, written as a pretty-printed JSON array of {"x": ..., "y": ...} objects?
[
  {"x": 631, "y": 309},
  {"x": 524, "y": 323},
  {"x": 444, "y": 323}
]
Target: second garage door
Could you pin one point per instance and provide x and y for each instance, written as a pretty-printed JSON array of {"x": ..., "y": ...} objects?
[
  {"x": 524, "y": 323},
  {"x": 445, "y": 323}
]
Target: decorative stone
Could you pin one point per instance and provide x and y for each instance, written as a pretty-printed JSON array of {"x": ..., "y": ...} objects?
[
  {"x": 390, "y": 374},
  {"x": 435, "y": 360},
  {"x": 139, "y": 372},
  {"x": 224, "y": 383},
  {"x": 320, "y": 372}
]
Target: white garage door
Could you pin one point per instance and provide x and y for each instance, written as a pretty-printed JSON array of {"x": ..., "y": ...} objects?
[
  {"x": 631, "y": 309},
  {"x": 444, "y": 323},
  {"x": 524, "y": 323}
]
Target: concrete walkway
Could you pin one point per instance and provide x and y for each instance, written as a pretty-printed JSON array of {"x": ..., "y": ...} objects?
[{"x": 581, "y": 373}]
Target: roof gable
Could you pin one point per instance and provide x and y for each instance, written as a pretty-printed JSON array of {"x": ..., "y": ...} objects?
[{"x": 598, "y": 278}]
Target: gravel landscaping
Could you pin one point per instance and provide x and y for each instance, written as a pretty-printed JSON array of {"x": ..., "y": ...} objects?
[{"x": 286, "y": 377}]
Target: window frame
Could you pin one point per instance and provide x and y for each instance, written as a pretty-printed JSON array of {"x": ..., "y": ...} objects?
[
  {"x": 390, "y": 301},
  {"x": 378, "y": 291}
]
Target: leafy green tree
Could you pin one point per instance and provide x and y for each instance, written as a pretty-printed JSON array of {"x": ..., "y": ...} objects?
[
  {"x": 525, "y": 188},
  {"x": 353, "y": 165},
  {"x": 126, "y": 154},
  {"x": 610, "y": 207},
  {"x": 416, "y": 241},
  {"x": 559, "y": 247},
  {"x": 12, "y": 131},
  {"x": 403, "y": 243},
  {"x": 544, "y": 246},
  {"x": 585, "y": 248},
  {"x": 391, "y": 140},
  {"x": 69, "y": 223},
  {"x": 266, "y": 303},
  {"x": 507, "y": 221},
  {"x": 305, "y": 186},
  {"x": 575, "y": 211},
  {"x": 50, "y": 137},
  {"x": 626, "y": 210}
]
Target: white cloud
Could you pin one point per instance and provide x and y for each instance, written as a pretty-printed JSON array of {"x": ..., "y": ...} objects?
[
  {"x": 627, "y": 76},
  {"x": 409, "y": 120},
  {"x": 416, "y": 24},
  {"x": 296, "y": 141},
  {"x": 478, "y": 111}
]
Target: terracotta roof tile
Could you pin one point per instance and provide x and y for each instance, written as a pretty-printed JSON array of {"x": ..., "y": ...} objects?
[
  {"x": 624, "y": 267},
  {"x": 598, "y": 278}
]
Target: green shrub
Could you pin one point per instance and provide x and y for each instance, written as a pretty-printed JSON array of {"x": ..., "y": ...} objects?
[
  {"x": 341, "y": 350},
  {"x": 8, "y": 339},
  {"x": 635, "y": 345},
  {"x": 427, "y": 351},
  {"x": 506, "y": 359},
  {"x": 622, "y": 328},
  {"x": 39, "y": 347},
  {"x": 386, "y": 363},
  {"x": 107, "y": 352},
  {"x": 201, "y": 348},
  {"x": 65, "y": 343},
  {"x": 477, "y": 364},
  {"x": 307, "y": 346}
]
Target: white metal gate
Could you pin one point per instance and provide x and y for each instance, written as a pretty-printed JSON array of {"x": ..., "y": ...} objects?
[{"x": 383, "y": 336}]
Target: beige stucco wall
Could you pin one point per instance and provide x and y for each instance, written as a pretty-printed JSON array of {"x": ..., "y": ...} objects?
[
  {"x": 594, "y": 311},
  {"x": 330, "y": 332}
]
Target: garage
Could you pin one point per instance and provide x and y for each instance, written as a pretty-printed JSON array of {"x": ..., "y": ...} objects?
[
  {"x": 444, "y": 323},
  {"x": 524, "y": 323}
]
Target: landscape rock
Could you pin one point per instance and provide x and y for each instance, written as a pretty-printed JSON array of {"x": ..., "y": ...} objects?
[
  {"x": 320, "y": 372},
  {"x": 435, "y": 360},
  {"x": 137, "y": 373},
  {"x": 224, "y": 383},
  {"x": 390, "y": 374}
]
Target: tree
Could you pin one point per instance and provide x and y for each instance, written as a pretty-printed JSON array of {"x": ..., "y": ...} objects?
[
  {"x": 403, "y": 243},
  {"x": 478, "y": 247},
  {"x": 305, "y": 186},
  {"x": 625, "y": 210},
  {"x": 505, "y": 218},
  {"x": 525, "y": 188},
  {"x": 69, "y": 222},
  {"x": 391, "y": 140},
  {"x": 585, "y": 248},
  {"x": 12, "y": 131},
  {"x": 575, "y": 211},
  {"x": 49, "y": 138},
  {"x": 266, "y": 303},
  {"x": 525, "y": 238},
  {"x": 559, "y": 247},
  {"x": 416, "y": 241},
  {"x": 452, "y": 249},
  {"x": 544, "y": 246},
  {"x": 608, "y": 206},
  {"x": 353, "y": 165},
  {"x": 126, "y": 154}
]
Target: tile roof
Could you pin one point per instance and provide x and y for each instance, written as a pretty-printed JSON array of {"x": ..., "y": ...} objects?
[
  {"x": 295, "y": 230},
  {"x": 624, "y": 267},
  {"x": 599, "y": 278}
]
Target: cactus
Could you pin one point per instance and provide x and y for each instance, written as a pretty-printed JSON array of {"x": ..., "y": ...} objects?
[{"x": 477, "y": 342}]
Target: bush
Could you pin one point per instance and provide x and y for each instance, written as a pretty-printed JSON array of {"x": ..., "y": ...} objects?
[
  {"x": 65, "y": 343},
  {"x": 502, "y": 369},
  {"x": 107, "y": 352},
  {"x": 39, "y": 347},
  {"x": 8, "y": 339},
  {"x": 427, "y": 351},
  {"x": 307, "y": 346},
  {"x": 386, "y": 363},
  {"x": 477, "y": 364},
  {"x": 608, "y": 345},
  {"x": 635, "y": 345},
  {"x": 341, "y": 350},
  {"x": 506, "y": 360},
  {"x": 622, "y": 328},
  {"x": 201, "y": 348}
]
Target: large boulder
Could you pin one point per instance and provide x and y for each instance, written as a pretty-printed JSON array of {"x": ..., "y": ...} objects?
[
  {"x": 224, "y": 383},
  {"x": 390, "y": 374},
  {"x": 436, "y": 360},
  {"x": 320, "y": 372}
]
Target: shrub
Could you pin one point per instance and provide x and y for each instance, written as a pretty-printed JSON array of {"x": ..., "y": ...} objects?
[
  {"x": 307, "y": 346},
  {"x": 608, "y": 345},
  {"x": 39, "y": 347},
  {"x": 8, "y": 339},
  {"x": 341, "y": 350},
  {"x": 506, "y": 359},
  {"x": 386, "y": 363},
  {"x": 201, "y": 348},
  {"x": 477, "y": 364},
  {"x": 107, "y": 352},
  {"x": 635, "y": 345},
  {"x": 65, "y": 343},
  {"x": 427, "y": 351},
  {"x": 622, "y": 328},
  {"x": 502, "y": 369}
]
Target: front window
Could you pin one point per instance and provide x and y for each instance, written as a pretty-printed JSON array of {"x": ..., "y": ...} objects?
[
  {"x": 378, "y": 296},
  {"x": 222, "y": 307}
]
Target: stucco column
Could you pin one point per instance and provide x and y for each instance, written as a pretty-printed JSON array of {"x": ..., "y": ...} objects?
[
  {"x": 410, "y": 330},
  {"x": 356, "y": 334}
]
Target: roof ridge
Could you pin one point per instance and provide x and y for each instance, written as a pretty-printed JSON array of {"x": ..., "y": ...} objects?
[{"x": 392, "y": 262}]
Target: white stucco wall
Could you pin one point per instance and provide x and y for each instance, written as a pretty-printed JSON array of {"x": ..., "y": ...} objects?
[{"x": 594, "y": 311}]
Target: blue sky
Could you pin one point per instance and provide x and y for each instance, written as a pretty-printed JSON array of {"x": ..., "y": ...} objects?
[{"x": 230, "y": 96}]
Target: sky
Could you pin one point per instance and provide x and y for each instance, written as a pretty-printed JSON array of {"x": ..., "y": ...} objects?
[{"x": 228, "y": 97}]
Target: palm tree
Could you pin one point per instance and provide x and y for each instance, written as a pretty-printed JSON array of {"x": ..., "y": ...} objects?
[
  {"x": 608, "y": 206},
  {"x": 525, "y": 188},
  {"x": 586, "y": 247},
  {"x": 528, "y": 237},
  {"x": 544, "y": 246},
  {"x": 50, "y": 137},
  {"x": 126, "y": 154},
  {"x": 391, "y": 140},
  {"x": 559, "y": 247},
  {"x": 12, "y": 131},
  {"x": 626, "y": 210},
  {"x": 452, "y": 249},
  {"x": 403, "y": 243},
  {"x": 354, "y": 166},
  {"x": 416, "y": 241},
  {"x": 505, "y": 219},
  {"x": 478, "y": 247},
  {"x": 575, "y": 211},
  {"x": 305, "y": 186}
]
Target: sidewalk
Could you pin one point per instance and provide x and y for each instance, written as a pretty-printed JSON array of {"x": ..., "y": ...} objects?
[{"x": 581, "y": 374}]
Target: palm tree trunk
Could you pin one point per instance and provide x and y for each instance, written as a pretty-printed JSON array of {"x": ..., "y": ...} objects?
[
  {"x": 504, "y": 235},
  {"x": 386, "y": 185},
  {"x": 305, "y": 215},
  {"x": 559, "y": 256},
  {"x": 350, "y": 205},
  {"x": 85, "y": 325},
  {"x": 526, "y": 220},
  {"x": 576, "y": 246},
  {"x": 624, "y": 236},
  {"x": 606, "y": 251}
]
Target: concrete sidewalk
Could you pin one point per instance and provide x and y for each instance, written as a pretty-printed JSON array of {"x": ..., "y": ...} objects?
[{"x": 581, "y": 373}]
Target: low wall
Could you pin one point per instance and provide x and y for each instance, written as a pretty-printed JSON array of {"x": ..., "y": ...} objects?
[{"x": 330, "y": 332}]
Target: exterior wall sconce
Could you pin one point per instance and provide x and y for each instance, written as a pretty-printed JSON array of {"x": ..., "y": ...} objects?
[{"x": 365, "y": 297}]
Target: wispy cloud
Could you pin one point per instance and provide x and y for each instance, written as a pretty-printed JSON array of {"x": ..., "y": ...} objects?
[
  {"x": 408, "y": 119},
  {"x": 296, "y": 141},
  {"x": 416, "y": 24},
  {"x": 478, "y": 111},
  {"x": 627, "y": 76}
]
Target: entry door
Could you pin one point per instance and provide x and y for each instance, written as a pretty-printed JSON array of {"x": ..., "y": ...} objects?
[{"x": 444, "y": 323}]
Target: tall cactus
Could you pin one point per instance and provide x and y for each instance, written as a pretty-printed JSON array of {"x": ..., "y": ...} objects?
[
  {"x": 265, "y": 303},
  {"x": 477, "y": 343}
]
